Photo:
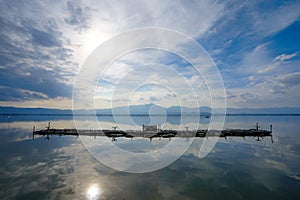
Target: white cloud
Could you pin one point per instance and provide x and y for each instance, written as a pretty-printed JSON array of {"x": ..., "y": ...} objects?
[
  {"x": 285, "y": 57},
  {"x": 266, "y": 69},
  {"x": 59, "y": 103},
  {"x": 271, "y": 22},
  {"x": 255, "y": 60},
  {"x": 267, "y": 90},
  {"x": 193, "y": 18},
  {"x": 80, "y": 26}
]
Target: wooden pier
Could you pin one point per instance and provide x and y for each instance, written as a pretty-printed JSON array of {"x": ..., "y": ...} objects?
[{"x": 152, "y": 132}]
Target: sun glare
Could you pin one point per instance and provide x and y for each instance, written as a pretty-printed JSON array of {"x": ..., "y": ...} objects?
[
  {"x": 93, "y": 192},
  {"x": 91, "y": 40}
]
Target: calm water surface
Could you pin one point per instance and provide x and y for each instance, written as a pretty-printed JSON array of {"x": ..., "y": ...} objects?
[{"x": 61, "y": 168}]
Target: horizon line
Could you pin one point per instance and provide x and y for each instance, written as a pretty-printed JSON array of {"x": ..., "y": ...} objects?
[{"x": 205, "y": 115}]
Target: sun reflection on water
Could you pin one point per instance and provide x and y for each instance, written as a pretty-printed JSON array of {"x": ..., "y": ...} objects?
[{"x": 93, "y": 192}]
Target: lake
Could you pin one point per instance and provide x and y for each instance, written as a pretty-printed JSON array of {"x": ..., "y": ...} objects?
[{"x": 66, "y": 167}]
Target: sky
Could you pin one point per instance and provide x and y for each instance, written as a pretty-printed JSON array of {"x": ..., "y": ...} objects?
[{"x": 253, "y": 45}]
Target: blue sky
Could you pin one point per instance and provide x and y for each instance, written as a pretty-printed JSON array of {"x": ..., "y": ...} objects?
[{"x": 255, "y": 45}]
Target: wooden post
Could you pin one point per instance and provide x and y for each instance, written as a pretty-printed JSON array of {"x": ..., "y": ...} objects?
[
  {"x": 33, "y": 132},
  {"x": 48, "y": 127},
  {"x": 257, "y": 126},
  {"x": 272, "y": 139}
]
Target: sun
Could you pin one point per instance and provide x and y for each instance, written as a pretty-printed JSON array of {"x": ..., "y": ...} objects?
[{"x": 91, "y": 39}]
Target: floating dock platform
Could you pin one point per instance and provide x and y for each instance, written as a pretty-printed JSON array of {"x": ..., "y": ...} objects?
[{"x": 152, "y": 132}]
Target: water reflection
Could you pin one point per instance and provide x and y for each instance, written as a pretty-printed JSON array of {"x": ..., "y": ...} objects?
[
  {"x": 93, "y": 192},
  {"x": 236, "y": 168}
]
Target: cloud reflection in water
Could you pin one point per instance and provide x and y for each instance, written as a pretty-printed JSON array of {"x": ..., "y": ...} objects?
[{"x": 236, "y": 168}]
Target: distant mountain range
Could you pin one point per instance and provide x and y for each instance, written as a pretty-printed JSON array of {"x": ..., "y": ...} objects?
[{"x": 151, "y": 109}]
